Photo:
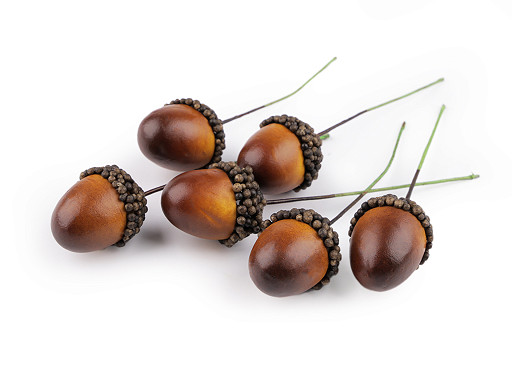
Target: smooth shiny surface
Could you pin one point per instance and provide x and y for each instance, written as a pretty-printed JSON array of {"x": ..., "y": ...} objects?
[
  {"x": 177, "y": 137},
  {"x": 275, "y": 155},
  {"x": 201, "y": 203},
  {"x": 287, "y": 259},
  {"x": 89, "y": 217},
  {"x": 386, "y": 247}
]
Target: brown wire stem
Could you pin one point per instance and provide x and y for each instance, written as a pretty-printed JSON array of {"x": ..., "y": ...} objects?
[{"x": 154, "y": 190}]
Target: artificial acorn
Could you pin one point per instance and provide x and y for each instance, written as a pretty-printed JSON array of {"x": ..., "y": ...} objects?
[
  {"x": 285, "y": 153},
  {"x": 297, "y": 251},
  {"x": 182, "y": 135},
  {"x": 186, "y": 134},
  {"x": 221, "y": 203},
  {"x": 390, "y": 237},
  {"x": 106, "y": 207}
]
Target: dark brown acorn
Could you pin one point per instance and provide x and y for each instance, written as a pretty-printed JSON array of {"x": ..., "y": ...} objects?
[
  {"x": 390, "y": 237},
  {"x": 186, "y": 135},
  {"x": 285, "y": 154},
  {"x": 221, "y": 203},
  {"x": 297, "y": 251},
  {"x": 106, "y": 207}
]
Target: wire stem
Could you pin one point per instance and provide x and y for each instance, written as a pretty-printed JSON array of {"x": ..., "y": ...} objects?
[
  {"x": 154, "y": 190},
  {"x": 282, "y": 98},
  {"x": 380, "y": 105},
  {"x": 373, "y": 190},
  {"x": 413, "y": 182},
  {"x": 374, "y": 181}
]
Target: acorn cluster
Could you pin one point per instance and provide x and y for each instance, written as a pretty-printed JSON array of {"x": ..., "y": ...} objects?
[
  {"x": 310, "y": 144},
  {"x": 249, "y": 201},
  {"x": 215, "y": 123},
  {"x": 129, "y": 193},
  {"x": 324, "y": 230},
  {"x": 404, "y": 204}
]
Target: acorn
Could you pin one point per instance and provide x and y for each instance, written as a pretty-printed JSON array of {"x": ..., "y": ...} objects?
[
  {"x": 223, "y": 203},
  {"x": 186, "y": 134},
  {"x": 106, "y": 207},
  {"x": 298, "y": 250},
  {"x": 285, "y": 154},
  {"x": 182, "y": 135},
  {"x": 390, "y": 237}
]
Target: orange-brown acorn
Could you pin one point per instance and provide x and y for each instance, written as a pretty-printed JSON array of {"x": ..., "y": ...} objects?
[
  {"x": 221, "y": 203},
  {"x": 390, "y": 239},
  {"x": 284, "y": 154},
  {"x": 182, "y": 136},
  {"x": 297, "y": 251},
  {"x": 106, "y": 207}
]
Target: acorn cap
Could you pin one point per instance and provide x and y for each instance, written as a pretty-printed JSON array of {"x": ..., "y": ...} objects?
[
  {"x": 400, "y": 203},
  {"x": 214, "y": 122},
  {"x": 310, "y": 144},
  {"x": 324, "y": 230},
  {"x": 129, "y": 193},
  {"x": 249, "y": 201}
]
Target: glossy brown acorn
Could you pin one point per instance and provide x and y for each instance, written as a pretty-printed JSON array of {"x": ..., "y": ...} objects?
[
  {"x": 177, "y": 137},
  {"x": 89, "y": 217},
  {"x": 285, "y": 154},
  {"x": 386, "y": 247},
  {"x": 275, "y": 155},
  {"x": 288, "y": 258},
  {"x": 201, "y": 203},
  {"x": 221, "y": 203},
  {"x": 297, "y": 251}
]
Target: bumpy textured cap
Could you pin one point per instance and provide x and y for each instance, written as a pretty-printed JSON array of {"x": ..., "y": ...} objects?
[
  {"x": 129, "y": 193},
  {"x": 249, "y": 201}
]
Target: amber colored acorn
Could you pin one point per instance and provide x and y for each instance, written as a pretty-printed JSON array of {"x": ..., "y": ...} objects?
[
  {"x": 186, "y": 134},
  {"x": 298, "y": 250},
  {"x": 285, "y": 154},
  {"x": 221, "y": 203},
  {"x": 106, "y": 207},
  {"x": 390, "y": 237}
]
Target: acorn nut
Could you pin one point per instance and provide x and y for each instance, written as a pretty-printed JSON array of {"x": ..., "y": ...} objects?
[
  {"x": 297, "y": 251},
  {"x": 284, "y": 154},
  {"x": 221, "y": 203},
  {"x": 182, "y": 136},
  {"x": 106, "y": 207},
  {"x": 389, "y": 240}
]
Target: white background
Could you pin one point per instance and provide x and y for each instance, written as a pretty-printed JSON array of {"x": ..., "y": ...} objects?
[{"x": 76, "y": 79}]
